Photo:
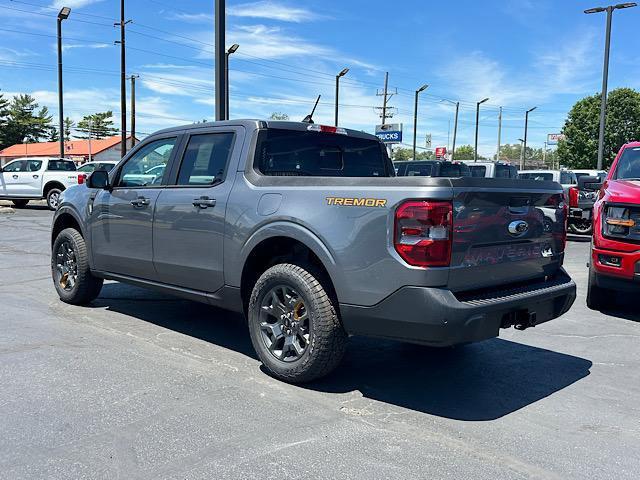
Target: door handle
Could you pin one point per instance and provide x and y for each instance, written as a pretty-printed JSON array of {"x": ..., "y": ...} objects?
[
  {"x": 204, "y": 202},
  {"x": 15, "y": 177},
  {"x": 140, "y": 202},
  {"x": 35, "y": 176}
]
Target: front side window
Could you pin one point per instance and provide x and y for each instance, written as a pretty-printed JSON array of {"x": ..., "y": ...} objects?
[
  {"x": 319, "y": 154},
  {"x": 61, "y": 166},
  {"x": 629, "y": 164},
  {"x": 146, "y": 167},
  {"x": 205, "y": 159},
  {"x": 18, "y": 166}
]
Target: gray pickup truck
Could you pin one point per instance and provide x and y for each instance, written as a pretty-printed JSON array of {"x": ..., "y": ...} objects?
[{"x": 307, "y": 231}]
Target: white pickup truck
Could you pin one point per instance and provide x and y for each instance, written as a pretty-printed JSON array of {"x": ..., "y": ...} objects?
[{"x": 27, "y": 179}]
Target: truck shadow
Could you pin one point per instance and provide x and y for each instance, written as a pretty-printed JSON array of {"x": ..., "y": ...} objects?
[
  {"x": 625, "y": 307},
  {"x": 478, "y": 382}
]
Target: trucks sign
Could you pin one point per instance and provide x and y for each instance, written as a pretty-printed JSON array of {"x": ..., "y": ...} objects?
[{"x": 390, "y": 132}]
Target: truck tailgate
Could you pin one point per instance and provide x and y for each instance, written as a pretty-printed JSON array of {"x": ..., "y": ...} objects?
[{"x": 505, "y": 232}]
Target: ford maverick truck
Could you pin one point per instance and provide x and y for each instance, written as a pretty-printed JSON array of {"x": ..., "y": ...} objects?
[{"x": 307, "y": 231}]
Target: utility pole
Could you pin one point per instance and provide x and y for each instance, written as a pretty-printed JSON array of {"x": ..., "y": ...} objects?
[
  {"x": 386, "y": 96},
  {"x": 123, "y": 80},
  {"x": 499, "y": 133},
  {"x": 90, "y": 131},
  {"x": 220, "y": 60},
  {"x": 521, "y": 153},
  {"x": 133, "y": 109},
  {"x": 605, "y": 71},
  {"x": 62, "y": 15},
  {"x": 544, "y": 154}
]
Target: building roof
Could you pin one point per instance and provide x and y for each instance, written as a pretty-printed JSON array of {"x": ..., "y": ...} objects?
[{"x": 52, "y": 149}]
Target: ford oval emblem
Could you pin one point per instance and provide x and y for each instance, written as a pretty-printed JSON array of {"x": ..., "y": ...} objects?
[{"x": 519, "y": 227}]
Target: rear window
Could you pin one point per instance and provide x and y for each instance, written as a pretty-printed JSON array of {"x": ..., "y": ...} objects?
[
  {"x": 537, "y": 176},
  {"x": 567, "y": 178},
  {"x": 478, "y": 171},
  {"x": 454, "y": 170},
  {"x": 61, "y": 165},
  {"x": 506, "y": 171},
  {"x": 418, "y": 170},
  {"x": 299, "y": 153}
]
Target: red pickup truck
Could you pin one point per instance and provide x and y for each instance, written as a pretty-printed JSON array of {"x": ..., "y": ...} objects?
[{"x": 615, "y": 251}]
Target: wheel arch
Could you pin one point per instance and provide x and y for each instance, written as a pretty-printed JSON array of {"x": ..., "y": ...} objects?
[
  {"x": 50, "y": 185},
  {"x": 281, "y": 244},
  {"x": 65, "y": 218}
]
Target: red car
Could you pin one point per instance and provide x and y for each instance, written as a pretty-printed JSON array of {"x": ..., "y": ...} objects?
[{"x": 615, "y": 252}]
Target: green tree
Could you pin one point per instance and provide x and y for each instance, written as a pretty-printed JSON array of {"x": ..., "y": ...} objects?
[
  {"x": 68, "y": 126},
  {"x": 402, "y": 154},
  {"x": 465, "y": 152},
  {"x": 279, "y": 116},
  {"x": 4, "y": 111},
  {"x": 580, "y": 148},
  {"x": 25, "y": 119},
  {"x": 53, "y": 135},
  {"x": 99, "y": 125}
]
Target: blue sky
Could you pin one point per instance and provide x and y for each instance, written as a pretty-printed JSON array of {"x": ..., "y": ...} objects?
[{"x": 520, "y": 53}]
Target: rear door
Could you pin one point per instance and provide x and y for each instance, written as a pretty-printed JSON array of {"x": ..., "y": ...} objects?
[
  {"x": 23, "y": 178},
  {"x": 504, "y": 235},
  {"x": 121, "y": 221},
  {"x": 189, "y": 223}
]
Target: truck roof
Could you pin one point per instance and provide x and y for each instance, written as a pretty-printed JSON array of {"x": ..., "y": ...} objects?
[{"x": 256, "y": 123}]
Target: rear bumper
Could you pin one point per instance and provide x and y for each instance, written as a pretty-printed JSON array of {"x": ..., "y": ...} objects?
[{"x": 438, "y": 317}]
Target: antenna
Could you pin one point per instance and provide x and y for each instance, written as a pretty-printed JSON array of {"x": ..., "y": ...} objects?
[{"x": 309, "y": 118}]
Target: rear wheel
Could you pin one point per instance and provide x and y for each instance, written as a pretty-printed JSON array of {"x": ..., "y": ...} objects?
[
  {"x": 580, "y": 226},
  {"x": 53, "y": 198},
  {"x": 596, "y": 296},
  {"x": 70, "y": 269},
  {"x": 20, "y": 203},
  {"x": 294, "y": 325}
]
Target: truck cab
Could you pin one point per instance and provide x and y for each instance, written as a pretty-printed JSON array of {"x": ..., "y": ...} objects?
[
  {"x": 431, "y": 168},
  {"x": 493, "y": 169},
  {"x": 615, "y": 251}
]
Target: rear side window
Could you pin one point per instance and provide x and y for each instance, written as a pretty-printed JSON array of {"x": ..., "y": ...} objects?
[
  {"x": 506, "y": 171},
  {"x": 567, "y": 178},
  {"x": 537, "y": 176},
  {"x": 454, "y": 170},
  {"x": 61, "y": 166},
  {"x": 478, "y": 171},
  {"x": 418, "y": 170},
  {"x": 205, "y": 159},
  {"x": 302, "y": 153}
]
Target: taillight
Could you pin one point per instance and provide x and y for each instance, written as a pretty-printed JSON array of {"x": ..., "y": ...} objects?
[
  {"x": 423, "y": 233},
  {"x": 327, "y": 129},
  {"x": 573, "y": 197},
  {"x": 80, "y": 178}
]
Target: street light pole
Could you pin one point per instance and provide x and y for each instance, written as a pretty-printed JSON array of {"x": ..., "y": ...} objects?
[
  {"x": 232, "y": 49},
  {"x": 605, "y": 71},
  {"x": 475, "y": 150},
  {"x": 455, "y": 131},
  {"x": 342, "y": 73},
  {"x": 220, "y": 73},
  {"x": 526, "y": 128},
  {"x": 415, "y": 118},
  {"x": 521, "y": 153},
  {"x": 62, "y": 15},
  {"x": 133, "y": 109}
]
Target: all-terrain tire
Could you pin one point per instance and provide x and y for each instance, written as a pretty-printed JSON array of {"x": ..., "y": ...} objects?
[
  {"x": 86, "y": 287},
  {"x": 327, "y": 338}
]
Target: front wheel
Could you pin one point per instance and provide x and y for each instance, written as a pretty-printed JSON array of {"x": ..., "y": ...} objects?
[
  {"x": 53, "y": 198},
  {"x": 580, "y": 227},
  {"x": 294, "y": 325},
  {"x": 72, "y": 277},
  {"x": 20, "y": 203},
  {"x": 596, "y": 296}
]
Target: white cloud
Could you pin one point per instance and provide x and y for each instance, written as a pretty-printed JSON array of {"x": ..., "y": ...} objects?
[
  {"x": 73, "y": 3},
  {"x": 272, "y": 11},
  {"x": 75, "y": 46}
]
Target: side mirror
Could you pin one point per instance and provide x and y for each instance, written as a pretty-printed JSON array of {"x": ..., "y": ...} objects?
[
  {"x": 99, "y": 179},
  {"x": 589, "y": 183}
]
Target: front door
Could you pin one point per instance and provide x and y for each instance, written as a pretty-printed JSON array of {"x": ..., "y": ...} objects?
[
  {"x": 22, "y": 178},
  {"x": 189, "y": 225},
  {"x": 121, "y": 220}
]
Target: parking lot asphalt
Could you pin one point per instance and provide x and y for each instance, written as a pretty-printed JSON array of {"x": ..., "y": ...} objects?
[{"x": 142, "y": 385}]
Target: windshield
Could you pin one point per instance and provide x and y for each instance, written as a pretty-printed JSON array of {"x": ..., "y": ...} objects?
[
  {"x": 629, "y": 164},
  {"x": 506, "y": 171},
  {"x": 303, "y": 153},
  {"x": 448, "y": 169}
]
